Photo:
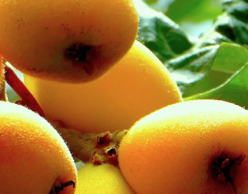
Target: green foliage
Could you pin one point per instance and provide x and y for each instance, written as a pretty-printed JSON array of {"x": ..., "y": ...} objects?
[
  {"x": 235, "y": 89},
  {"x": 181, "y": 10},
  {"x": 150, "y": 2},
  {"x": 214, "y": 65},
  {"x": 230, "y": 26},
  {"x": 164, "y": 37},
  {"x": 190, "y": 68},
  {"x": 228, "y": 59}
]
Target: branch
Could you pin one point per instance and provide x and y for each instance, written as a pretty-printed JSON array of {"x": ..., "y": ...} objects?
[
  {"x": 3, "y": 94},
  {"x": 17, "y": 85}
]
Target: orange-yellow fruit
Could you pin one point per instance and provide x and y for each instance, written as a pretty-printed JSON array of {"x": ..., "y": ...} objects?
[
  {"x": 104, "y": 179},
  {"x": 33, "y": 156},
  {"x": 66, "y": 40},
  {"x": 190, "y": 147},
  {"x": 136, "y": 86}
]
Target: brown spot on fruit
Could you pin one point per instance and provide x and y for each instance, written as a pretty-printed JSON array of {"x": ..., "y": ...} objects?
[
  {"x": 224, "y": 167},
  {"x": 103, "y": 140},
  {"x": 78, "y": 52},
  {"x": 58, "y": 187}
]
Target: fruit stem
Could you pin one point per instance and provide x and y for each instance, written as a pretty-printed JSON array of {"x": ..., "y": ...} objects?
[
  {"x": 96, "y": 148},
  {"x": 17, "y": 85},
  {"x": 3, "y": 94}
]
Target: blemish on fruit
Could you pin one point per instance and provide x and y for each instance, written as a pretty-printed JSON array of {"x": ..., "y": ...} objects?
[
  {"x": 224, "y": 166},
  {"x": 58, "y": 187},
  {"x": 78, "y": 52}
]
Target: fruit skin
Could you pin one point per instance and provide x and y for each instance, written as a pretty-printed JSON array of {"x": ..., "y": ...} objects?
[
  {"x": 104, "y": 178},
  {"x": 33, "y": 156},
  {"x": 136, "y": 86},
  {"x": 173, "y": 149},
  {"x": 67, "y": 41}
]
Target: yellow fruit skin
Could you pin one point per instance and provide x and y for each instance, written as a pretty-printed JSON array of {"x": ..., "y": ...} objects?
[
  {"x": 32, "y": 154},
  {"x": 170, "y": 150},
  {"x": 138, "y": 85},
  {"x": 102, "y": 179},
  {"x": 35, "y": 36}
]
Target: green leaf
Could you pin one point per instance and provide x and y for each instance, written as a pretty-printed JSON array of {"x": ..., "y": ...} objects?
[
  {"x": 160, "y": 34},
  {"x": 188, "y": 69},
  {"x": 231, "y": 26},
  {"x": 193, "y": 10},
  {"x": 233, "y": 90},
  {"x": 216, "y": 56},
  {"x": 229, "y": 59},
  {"x": 150, "y": 2}
]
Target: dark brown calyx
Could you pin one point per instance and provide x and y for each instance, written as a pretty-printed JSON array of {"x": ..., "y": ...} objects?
[
  {"x": 107, "y": 148},
  {"x": 224, "y": 167},
  {"x": 97, "y": 148},
  {"x": 103, "y": 140},
  {"x": 58, "y": 187},
  {"x": 78, "y": 53}
]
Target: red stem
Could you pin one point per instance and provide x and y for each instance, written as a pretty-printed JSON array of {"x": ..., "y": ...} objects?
[{"x": 17, "y": 85}]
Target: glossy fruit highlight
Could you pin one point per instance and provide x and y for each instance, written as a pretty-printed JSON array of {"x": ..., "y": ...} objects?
[
  {"x": 136, "y": 86},
  {"x": 67, "y": 41},
  {"x": 104, "y": 178},
  {"x": 190, "y": 147},
  {"x": 33, "y": 156}
]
